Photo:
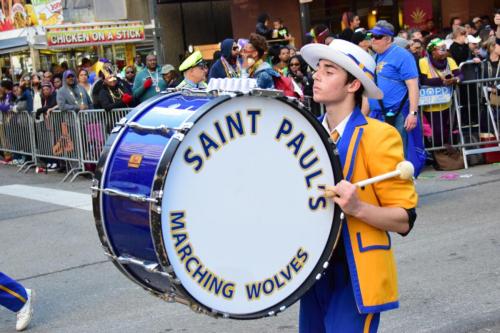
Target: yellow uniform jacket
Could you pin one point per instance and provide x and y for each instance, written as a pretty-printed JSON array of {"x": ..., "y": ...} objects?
[{"x": 369, "y": 148}]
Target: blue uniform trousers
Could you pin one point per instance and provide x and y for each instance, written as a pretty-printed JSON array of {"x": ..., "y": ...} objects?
[
  {"x": 12, "y": 294},
  {"x": 329, "y": 306}
]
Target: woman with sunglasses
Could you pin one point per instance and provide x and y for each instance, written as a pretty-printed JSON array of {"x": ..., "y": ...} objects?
[
  {"x": 438, "y": 70},
  {"x": 297, "y": 70}
]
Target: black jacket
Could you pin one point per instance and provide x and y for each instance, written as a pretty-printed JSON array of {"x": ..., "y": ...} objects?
[
  {"x": 47, "y": 103},
  {"x": 109, "y": 99}
]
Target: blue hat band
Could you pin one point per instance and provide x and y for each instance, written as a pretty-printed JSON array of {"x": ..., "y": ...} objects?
[
  {"x": 367, "y": 72},
  {"x": 381, "y": 31}
]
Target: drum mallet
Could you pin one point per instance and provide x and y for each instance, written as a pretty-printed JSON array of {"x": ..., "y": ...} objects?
[{"x": 404, "y": 170}]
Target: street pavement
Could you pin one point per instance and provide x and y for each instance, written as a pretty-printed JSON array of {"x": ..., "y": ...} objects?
[{"x": 449, "y": 266}]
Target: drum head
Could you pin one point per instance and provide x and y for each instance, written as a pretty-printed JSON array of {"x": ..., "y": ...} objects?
[{"x": 243, "y": 223}]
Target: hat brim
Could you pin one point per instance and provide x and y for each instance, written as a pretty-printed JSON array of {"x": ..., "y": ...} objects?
[{"x": 313, "y": 53}]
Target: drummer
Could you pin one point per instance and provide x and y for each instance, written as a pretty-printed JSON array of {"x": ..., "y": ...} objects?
[
  {"x": 195, "y": 70},
  {"x": 362, "y": 279}
]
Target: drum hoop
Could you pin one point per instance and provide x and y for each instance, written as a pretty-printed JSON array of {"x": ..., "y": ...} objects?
[
  {"x": 321, "y": 265},
  {"x": 97, "y": 202}
]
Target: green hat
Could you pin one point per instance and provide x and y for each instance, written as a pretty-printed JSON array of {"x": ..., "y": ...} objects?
[
  {"x": 193, "y": 60},
  {"x": 436, "y": 42}
]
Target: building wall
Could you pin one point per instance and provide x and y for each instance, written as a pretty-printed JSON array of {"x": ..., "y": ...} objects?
[
  {"x": 466, "y": 9},
  {"x": 170, "y": 19},
  {"x": 138, "y": 11},
  {"x": 244, "y": 15},
  {"x": 114, "y": 10}
]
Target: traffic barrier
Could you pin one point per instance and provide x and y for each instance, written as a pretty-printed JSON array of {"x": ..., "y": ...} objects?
[
  {"x": 15, "y": 136},
  {"x": 468, "y": 120},
  {"x": 66, "y": 138}
]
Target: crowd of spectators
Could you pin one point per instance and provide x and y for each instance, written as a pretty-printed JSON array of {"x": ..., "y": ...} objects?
[{"x": 267, "y": 55}]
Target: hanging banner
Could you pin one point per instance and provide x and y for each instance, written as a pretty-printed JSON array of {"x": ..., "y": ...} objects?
[
  {"x": 417, "y": 12},
  {"x": 48, "y": 12},
  {"x": 94, "y": 34}
]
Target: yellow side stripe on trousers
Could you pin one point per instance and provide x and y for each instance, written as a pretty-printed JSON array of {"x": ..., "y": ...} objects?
[
  {"x": 13, "y": 293},
  {"x": 368, "y": 322}
]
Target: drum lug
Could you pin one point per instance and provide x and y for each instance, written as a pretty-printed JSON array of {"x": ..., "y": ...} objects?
[
  {"x": 267, "y": 92},
  {"x": 179, "y": 136},
  {"x": 95, "y": 188},
  {"x": 149, "y": 266},
  {"x": 119, "y": 125},
  {"x": 158, "y": 195}
]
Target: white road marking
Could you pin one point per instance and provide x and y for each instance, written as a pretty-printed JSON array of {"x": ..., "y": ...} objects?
[{"x": 49, "y": 195}]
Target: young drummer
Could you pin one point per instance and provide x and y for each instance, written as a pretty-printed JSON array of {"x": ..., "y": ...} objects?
[{"x": 362, "y": 279}]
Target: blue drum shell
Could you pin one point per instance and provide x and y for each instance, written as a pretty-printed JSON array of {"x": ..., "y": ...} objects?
[{"x": 125, "y": 224}]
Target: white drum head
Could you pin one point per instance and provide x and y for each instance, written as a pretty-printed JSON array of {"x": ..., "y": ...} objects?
[{"x": 243, "y": 222}]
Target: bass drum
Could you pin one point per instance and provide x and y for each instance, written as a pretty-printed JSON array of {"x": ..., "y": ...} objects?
[{"x": 214, "y": 202}]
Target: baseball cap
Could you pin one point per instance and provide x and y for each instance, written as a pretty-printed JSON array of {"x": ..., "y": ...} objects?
[
  {"x": 167, "y": 69},
  {"x": 473, "y": 40}
]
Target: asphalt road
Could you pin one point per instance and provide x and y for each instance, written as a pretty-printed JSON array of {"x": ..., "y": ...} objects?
[{"x": 449, "y": 267}]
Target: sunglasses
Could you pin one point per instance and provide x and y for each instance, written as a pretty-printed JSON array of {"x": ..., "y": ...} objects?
[
  {"x": 70, "y": 76},
  {"x": 377, "y": 37},
  {"x": 294, "y": 64},
  {"x": 236, "y": 48}
]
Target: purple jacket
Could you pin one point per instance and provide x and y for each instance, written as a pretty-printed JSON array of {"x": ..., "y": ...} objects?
[{"x": 7, "y": 103}]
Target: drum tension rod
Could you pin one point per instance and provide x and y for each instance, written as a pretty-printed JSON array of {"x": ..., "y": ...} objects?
[
  {"x": 131, "y": 196},
  {"x": 148, "y": 266},
  {"x": 162, "y": 129}
]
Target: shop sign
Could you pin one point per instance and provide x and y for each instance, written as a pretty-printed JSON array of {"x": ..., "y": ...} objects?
[{"x": 94, "y": 35}]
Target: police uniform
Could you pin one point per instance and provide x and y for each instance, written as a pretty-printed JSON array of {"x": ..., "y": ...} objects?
[{"x": 195, "y": 59}]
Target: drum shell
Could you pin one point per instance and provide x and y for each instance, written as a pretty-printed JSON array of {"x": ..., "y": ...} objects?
[{"x": 124, "y": 225}]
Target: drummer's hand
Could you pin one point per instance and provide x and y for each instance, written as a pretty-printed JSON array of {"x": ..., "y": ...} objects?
[{"x": 346, "y": 197}]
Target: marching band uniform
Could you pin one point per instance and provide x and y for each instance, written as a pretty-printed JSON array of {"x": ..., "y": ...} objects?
[
  {"x": 362, "y": 278},
  {"x": 16, "y": 298}
]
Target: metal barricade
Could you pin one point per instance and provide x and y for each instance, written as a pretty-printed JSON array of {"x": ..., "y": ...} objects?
[
  {"x": 481, "y": 118},
  {"x": 57, "y": 137},
  {"x": 470, "y": 122},
  {"x": 15, "y": 136},
  {"x": 95, "y": 126}
]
